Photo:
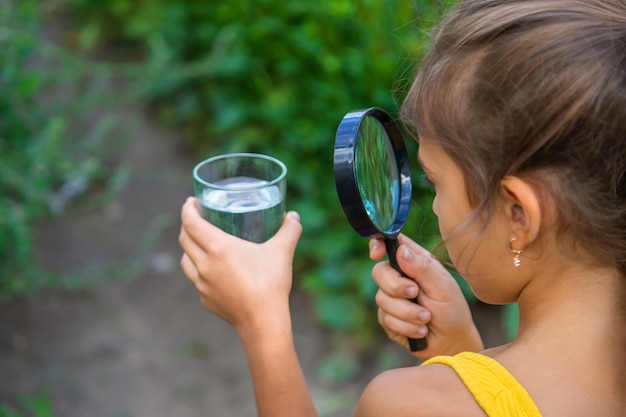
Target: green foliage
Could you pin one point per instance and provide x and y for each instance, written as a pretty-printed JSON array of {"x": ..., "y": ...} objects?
[
  {"x": 37, "y": 406},
  {"x": 276, "y": 77},
  {"x": 510, "y": 320},
  {"x": 43, "y": 167}
]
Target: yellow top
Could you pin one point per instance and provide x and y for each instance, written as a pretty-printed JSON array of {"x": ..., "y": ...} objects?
[{"x": 497, "y": 392}]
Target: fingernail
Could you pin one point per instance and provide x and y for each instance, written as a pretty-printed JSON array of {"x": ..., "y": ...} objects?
[
  {"x": 294, "y": 215},
  {"x": 407, "y": 254},
  {"x": 373, "y": 246},
  {"x": 411, "y": 292},
  {"x": 423, "y": 315}
]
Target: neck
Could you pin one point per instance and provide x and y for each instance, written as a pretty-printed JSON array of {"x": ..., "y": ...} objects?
[
  {"x": 589, "y": 300},
  {"x": 572, "y": 318}
]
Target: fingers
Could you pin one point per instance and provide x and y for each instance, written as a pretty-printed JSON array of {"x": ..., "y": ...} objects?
[
  {"x": 399, "y": 329},
  {"x": 201, "y": 241},
  {"x": 198, "y": 229},
  {"x": 203, "y": 288},
  {"x": 377, "y": 249},
  {"x": 204, "y": 233},
  {"x": 190, "y": 246},
  {"x": 289, "y": 234},
  {"x": 190, "y": 270},
  {"x": 419, "y": 265},
  {"x": 433, "y": 279},
  {"x": 189, "y": 215},
  {"x": 415, "y": 247},
  {"x": 397, "y": 314},
  {"x": 424, "y": 272},
  {"x": 402, "y": 316},
  {"x": 390, "y": 281}
]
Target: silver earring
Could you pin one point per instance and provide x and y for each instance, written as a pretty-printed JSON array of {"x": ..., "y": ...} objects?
[{"x": 516, "y": 253}]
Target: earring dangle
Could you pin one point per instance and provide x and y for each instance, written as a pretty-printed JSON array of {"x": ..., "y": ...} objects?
[{"x": 516, "y": 253}]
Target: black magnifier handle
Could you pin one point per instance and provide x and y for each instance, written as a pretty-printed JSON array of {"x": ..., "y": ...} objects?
[{"x": 392, "y": 247}]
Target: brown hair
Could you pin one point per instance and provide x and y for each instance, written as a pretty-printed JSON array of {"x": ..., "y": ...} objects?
[{"x": 535, "y": 89}]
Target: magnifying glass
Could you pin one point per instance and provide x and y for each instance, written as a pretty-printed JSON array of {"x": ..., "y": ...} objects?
[{"x": 373, "y": 179}]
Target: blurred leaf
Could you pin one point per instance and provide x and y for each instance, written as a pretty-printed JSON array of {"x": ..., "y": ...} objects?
[
  {"x": 39, "y": 406},
  {"x": 7, "y": 412},
  {"x": 35, "y": 406},
  {"x": 510, "y": 320},
  {"x": 338, "y": 367},
  {"x": 337, "y": 311}
]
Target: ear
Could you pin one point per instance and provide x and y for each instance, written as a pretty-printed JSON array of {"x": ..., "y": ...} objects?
[{"x": 522, "y": 209}]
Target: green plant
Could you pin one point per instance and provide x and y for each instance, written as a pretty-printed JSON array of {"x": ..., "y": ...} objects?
[
  {"x": 510, "y": 320},
  {"x": 37, "y": 406},
  {"x": 44, "y": 165}
]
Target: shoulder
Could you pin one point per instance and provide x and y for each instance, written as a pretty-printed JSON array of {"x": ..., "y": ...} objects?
[{"x": 422, "y": 391}]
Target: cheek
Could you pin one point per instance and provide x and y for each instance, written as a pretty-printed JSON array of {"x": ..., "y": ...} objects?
[
  {"x": 442, "y": 212},
  {"x": 454, "y": 253},
  {"x": 447, "y": 216}
]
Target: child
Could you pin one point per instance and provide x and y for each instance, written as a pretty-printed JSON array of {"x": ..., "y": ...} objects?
[{"x": 520, "y": 110}]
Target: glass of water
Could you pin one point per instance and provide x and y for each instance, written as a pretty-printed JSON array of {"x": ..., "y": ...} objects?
[{"x": 242, "y": 194}]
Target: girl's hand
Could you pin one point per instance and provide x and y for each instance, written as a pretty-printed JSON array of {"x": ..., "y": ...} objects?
[
  {"x": 247, "y": 284},
  {"x": 441, "y": 315}
]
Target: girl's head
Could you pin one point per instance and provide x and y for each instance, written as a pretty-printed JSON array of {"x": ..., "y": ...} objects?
[{"x": 534, "y": 90}]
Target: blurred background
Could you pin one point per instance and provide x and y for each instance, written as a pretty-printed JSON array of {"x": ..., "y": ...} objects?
[{"x": 105, "y": 107}]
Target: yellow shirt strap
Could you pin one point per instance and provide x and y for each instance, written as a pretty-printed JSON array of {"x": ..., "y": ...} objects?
[{"x": 497, "y": 392}]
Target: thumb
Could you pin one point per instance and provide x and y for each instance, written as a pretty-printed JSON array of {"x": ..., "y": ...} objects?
[
  {"x": 431, "y": 276},
  {"x": 289, "y": 233}
]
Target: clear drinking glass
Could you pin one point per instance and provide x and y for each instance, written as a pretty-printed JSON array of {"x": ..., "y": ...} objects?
[{"x": 242, "y": 194}]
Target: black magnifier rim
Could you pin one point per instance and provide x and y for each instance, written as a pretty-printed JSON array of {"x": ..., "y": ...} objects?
[{"x": 346, "y": 179}]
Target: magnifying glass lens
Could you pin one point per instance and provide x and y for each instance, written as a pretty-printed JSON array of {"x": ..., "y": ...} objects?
[
  {"x": 373, "y": 178},
  {"x": 377, "y": 173}
]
